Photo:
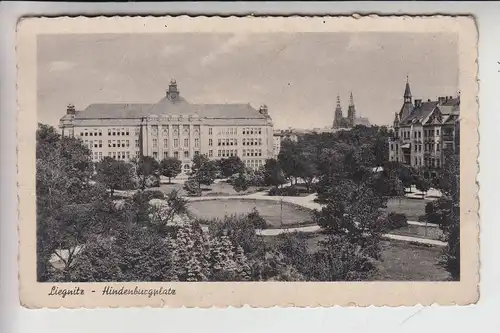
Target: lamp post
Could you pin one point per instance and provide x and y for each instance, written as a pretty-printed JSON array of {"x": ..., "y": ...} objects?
[{"x": 281, "y": 211}]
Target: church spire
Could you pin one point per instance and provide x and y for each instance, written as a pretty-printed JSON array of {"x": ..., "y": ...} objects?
[
  {"x": 351, "y": 112},
  {"x": 407, "y": 95},
  {"x": 338, "y": 102},
  {"x": 351, "y": 100}
]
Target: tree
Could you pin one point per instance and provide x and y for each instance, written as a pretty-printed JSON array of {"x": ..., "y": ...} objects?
[
  {"x": 423, "y": 185},
  {"x": 231, "y": 165},
  {"x": 289, "y": 159},
  {"x": 146, "y": 166},
  {"x": 115, "y": 175},
  {"x": 273, "y": 173},
  {"x": 63, "y": 173},
  {"x": 446, "y": 213},
  {"x": 204, "y": 170},
  {"x": 339, "y": 259},
  {"x": 170, "y": 167},
  {"x": 241, "y": 182},
  {"x": 192, "y": 187}
]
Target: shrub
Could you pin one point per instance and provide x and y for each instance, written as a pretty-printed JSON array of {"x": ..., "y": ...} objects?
[
  {"x": 152, "y": 181},
  {"x": 290, "y": 191},
  {"x": 154, "y": 194},
  {"x": 192, "y": 187},
  {"x": 396, "y": 220},
  {"x": 256, "y": 219}
]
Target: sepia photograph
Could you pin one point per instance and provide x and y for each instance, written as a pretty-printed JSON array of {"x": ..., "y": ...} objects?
[{"x": 248, "y": 156}]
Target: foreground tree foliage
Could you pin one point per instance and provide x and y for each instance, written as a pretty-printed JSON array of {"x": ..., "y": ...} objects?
[
  {"x": 446, "y": 213},
  {"x": 86, "y": 234}
]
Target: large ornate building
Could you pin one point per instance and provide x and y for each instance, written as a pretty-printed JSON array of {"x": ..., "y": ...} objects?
[
  {"x": 339, "y": 121},
  {"x": 173, "y": 127},
  {"x": 424, "y": 130}
]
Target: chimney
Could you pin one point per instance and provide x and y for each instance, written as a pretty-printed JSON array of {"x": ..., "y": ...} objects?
[
  {"x": 428, "y": 100},
  {"x": 172, "y": 92},
  {"x": 418, "y": 103},
  {"x": 263, "y": 110},
  {"x": 70, "y": 109}
]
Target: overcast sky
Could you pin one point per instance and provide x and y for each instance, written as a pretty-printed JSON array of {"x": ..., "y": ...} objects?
[{"x": 297, "y": 75}]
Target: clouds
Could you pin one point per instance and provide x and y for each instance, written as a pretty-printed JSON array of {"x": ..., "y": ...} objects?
[
  {"x": 169, "y": 50},
  {"x": 296, "y": 75},
  {"x": 227, "y": 47},
  {"x": 60, "y": 66}
]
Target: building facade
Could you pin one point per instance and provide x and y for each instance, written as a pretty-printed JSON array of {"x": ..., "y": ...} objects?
[
  {"x": 339, "y": 121},
  {"x": 175, "y": 128},
  {"x": 423, "y": 131},
  {"x": 279, "y": 136}
]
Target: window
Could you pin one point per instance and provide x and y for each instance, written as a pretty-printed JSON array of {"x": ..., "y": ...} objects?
[
  {"x": 437, "y": 133},
  {"x": 244, "y": 152},
  {"x": 419, "y": 148},
  {"x": 127, "y": 143},
  {"x": 137, "y": 154},
  {"x": 210, "y": 153},
  {"x": 114, "y": 154},
  {"x": 155, "y": 155},
  {"x": 128, "y": 155},
  {"x": 196, "y": 153},
  {"x": 437, "y": 146},
  {"x": 210, "y": 142},
  {"x": 100, "y": 143},
  {"x": 210, "y": 131},
  {"x": 415, "y": 148},
  {"x": 186, "y": 154},
  {"x": 165, "y": 143},
  {"x": 244, "y": 142},
  {"x": 176, "y": 154},
  {"x": 100, "y": 155},
  {"x": 186, "y": 143},
  {"x": 260, "y": 142},
  {"x": 127, "y": 132},
  {"x": 136, "y": 143},
  {"x": 260, "y": 130},
  {"x": 218, "y": 153},
  {"x": 176, "y": 143},
  {"x": 155, "y": 143},
  {"x": 196, "y": 142},
  {"x": 165, "y": 154}
]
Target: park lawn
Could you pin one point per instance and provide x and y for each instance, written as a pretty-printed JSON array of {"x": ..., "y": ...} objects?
[
  {"x": 401, "y": 261},
  {"x": 433, "y": 232},
  {"x": 412, "y": 208},
  {"x": 219, "y": 189},
  {"x": 270, "y": 210}
]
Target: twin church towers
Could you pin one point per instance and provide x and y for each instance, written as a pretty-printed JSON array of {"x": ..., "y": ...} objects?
[{"x": 339, "y": 121}]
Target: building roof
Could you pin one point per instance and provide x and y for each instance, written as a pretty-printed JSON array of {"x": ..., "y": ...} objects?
[
  {"x": 171, "y": 105},
  {"x": 167, "y": 107},
  {"x": 362, "y": 121},
  {"x": 418, "y": 114}
]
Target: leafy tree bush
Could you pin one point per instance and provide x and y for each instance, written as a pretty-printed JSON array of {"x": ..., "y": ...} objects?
[
  {"x": 152, "y": 181},
  {"x": 256, "y": 219},
  {"x": 273, "y": 173},
  {"x": 241, "y": 183},
  {"x": 192, "y": 187},
  {"x": 290, "y": 191},
  {"x": 115, "y": 175},
  {"x": 231, "y": 165},
  {"x": 170, "y": 167},
  {"x": 396, "y": 221}
]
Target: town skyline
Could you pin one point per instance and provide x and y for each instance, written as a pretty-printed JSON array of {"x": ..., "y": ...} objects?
[{"x": 250, "y": 69}]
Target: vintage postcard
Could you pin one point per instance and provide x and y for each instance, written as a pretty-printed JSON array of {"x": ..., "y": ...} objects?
[{"x": 262, "y": 161}]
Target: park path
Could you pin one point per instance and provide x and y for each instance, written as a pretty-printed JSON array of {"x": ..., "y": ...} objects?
[{"x": 316, "y": 228}]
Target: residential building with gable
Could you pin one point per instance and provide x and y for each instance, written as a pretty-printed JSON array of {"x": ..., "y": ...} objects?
[{"x": 423, "y": 130}]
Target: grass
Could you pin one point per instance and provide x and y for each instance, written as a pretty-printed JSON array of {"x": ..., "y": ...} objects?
[
  {"x": 408, "y": 262},
  {"x": 401, "y": 261},
  {"x": 419, "y": 231},
  {"x": 412, "y": 208},
  {"x": 216, "y": 189},
  {"x": 269, "y": 210}
]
